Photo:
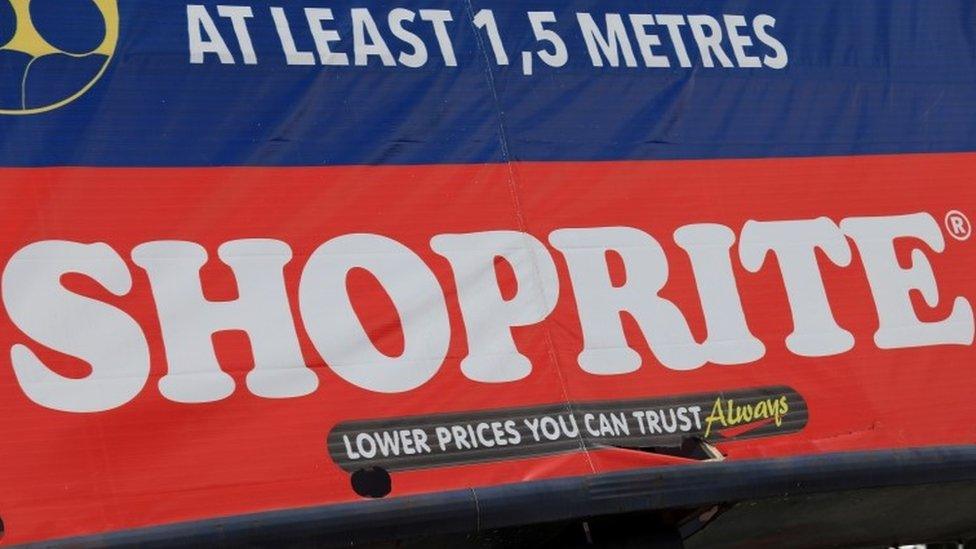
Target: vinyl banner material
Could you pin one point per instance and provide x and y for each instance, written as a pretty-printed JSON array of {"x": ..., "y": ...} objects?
[{"x": 268, "y": 256}]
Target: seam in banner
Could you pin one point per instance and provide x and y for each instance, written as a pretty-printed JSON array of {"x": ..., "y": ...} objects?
[{"x": 520, "y": 220}]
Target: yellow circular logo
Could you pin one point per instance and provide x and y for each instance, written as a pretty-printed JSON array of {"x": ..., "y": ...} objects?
[{"x": 53, "y": 51}]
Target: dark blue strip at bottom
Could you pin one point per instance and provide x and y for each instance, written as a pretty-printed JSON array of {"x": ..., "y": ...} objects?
[{"x": 537, "y": 502}]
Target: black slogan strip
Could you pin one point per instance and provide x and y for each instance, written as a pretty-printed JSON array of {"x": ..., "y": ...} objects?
[{"x": 492, "y": 435}]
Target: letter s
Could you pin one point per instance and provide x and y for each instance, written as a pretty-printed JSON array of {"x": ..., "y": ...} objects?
[
  {"x": 759, "y": 26},
  {"x": 108, "y": 339}
]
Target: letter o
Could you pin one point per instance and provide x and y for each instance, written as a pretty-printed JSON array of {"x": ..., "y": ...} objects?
[
  {"x": 549, "y": 428},
  {"x": 368, "y": 451},
  {"x": 335, "y": 329}
]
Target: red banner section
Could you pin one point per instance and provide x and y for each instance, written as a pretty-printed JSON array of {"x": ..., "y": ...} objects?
[{"x": 189, "y": 343}]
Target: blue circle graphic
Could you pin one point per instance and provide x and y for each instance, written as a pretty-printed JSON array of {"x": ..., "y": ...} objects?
[{"x": 73, "y": 26}]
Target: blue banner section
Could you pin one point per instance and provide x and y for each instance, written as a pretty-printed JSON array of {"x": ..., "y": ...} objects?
[{"x": 308, "y": 82}]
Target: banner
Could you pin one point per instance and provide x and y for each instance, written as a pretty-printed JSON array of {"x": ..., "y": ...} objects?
[{"x": 272, "y": 256}]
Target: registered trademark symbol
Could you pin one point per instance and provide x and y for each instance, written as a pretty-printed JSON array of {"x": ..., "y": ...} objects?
[{"x": 958, "y": 225}]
